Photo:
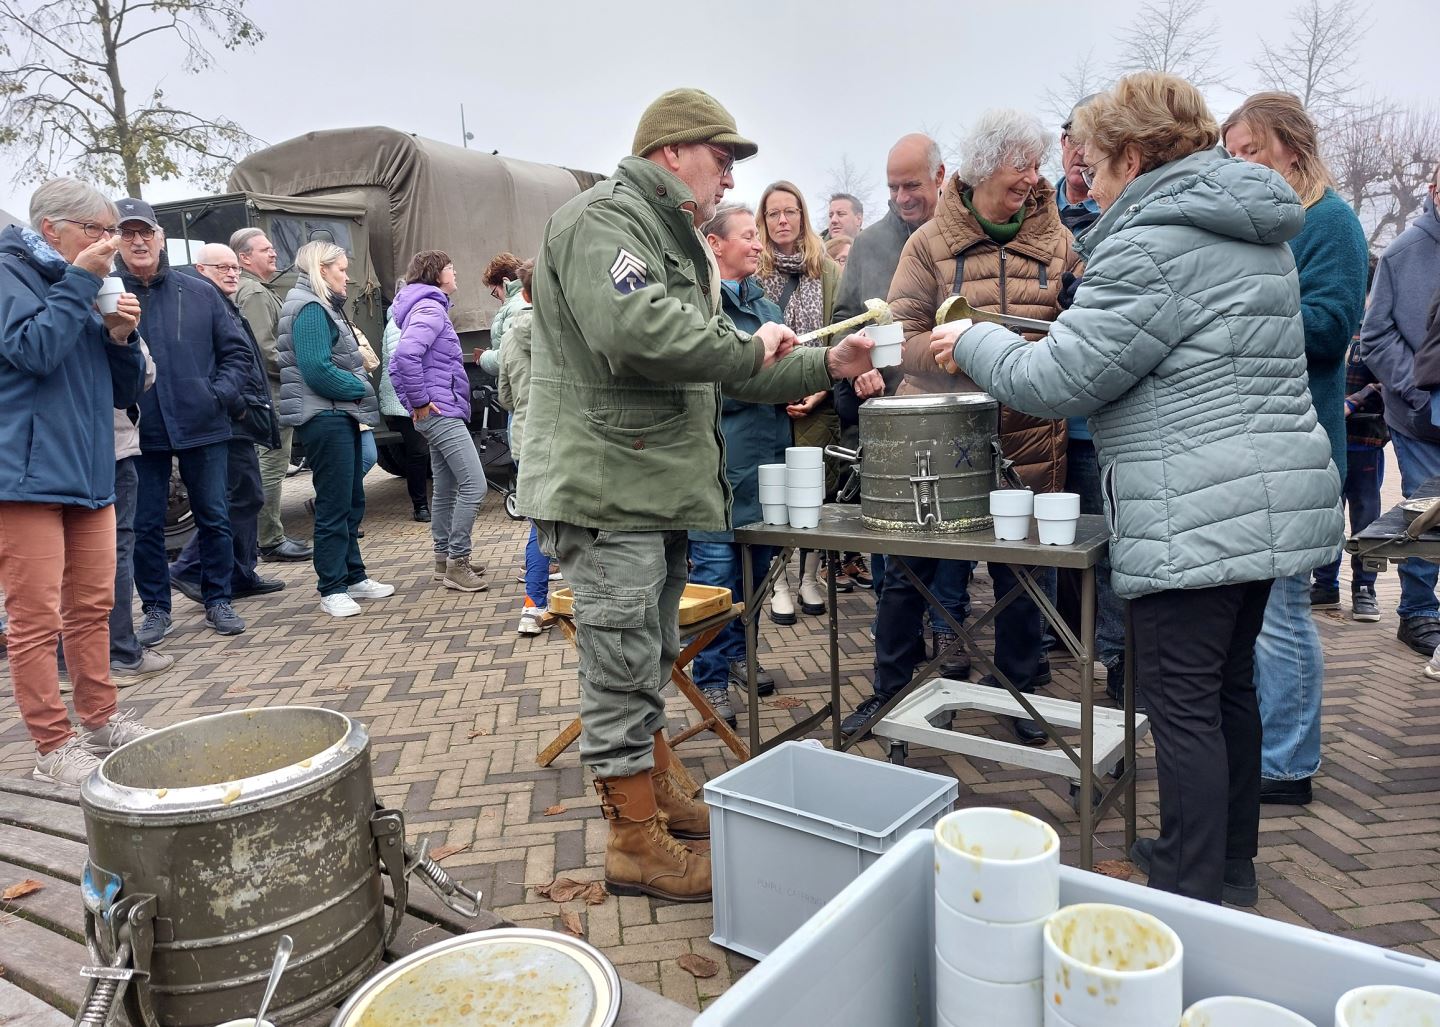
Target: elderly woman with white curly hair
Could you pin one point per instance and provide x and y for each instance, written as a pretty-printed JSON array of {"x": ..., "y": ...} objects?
[{"x": 996, "y": 239}]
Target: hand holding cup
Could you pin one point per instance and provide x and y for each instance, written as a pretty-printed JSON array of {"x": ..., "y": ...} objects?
[{"x": 124, "y": 319}]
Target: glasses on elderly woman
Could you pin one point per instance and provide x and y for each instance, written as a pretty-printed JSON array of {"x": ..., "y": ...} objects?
[
  {"x": 91, "y": 230},
  {"x": 1087, "y": 173}
]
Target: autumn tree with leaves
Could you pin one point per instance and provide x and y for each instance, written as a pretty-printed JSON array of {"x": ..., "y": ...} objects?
[{"x": 68, "y": 70}]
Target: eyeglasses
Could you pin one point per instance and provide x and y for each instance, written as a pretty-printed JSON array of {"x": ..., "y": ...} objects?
[
  {"x": 1087, "y": 173},
  {"x": 724, "y": 156},
  {"x": 147, "y": 233},
  {"x": 224, "y": 269},
  {"x": 789, "y": 213},
  {"x": 91, "y": 230}
]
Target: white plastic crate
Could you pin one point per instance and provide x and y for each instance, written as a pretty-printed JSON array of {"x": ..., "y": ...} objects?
[
  {"x": 866, "y": 959},
  {"x": 794, "y": 826}
]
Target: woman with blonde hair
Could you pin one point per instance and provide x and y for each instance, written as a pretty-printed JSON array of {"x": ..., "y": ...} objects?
[
  {"x": 325, "y": 395},
  {"x": 1185, "y": 348},
  {"x": 802, "y": 281},
  {"x": 1331, "y": 260}
]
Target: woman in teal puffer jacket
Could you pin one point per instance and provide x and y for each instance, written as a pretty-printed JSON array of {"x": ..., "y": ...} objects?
[{"x": 1185, "y": 347}]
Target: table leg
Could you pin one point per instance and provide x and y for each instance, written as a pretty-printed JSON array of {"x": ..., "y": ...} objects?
[
  {"x": 832, "y": 562},
  {"x": 1088, "y": 780},
  {"x": 753, "y": 605}
]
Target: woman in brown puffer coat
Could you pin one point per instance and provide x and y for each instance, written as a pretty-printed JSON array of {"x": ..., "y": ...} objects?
[{"x": 996, "y": 239}]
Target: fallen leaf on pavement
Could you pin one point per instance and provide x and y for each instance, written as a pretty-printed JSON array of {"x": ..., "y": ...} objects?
[
  {"x": 437, "y": 854},
  {"x": 562, "y": 889},
  {"x": 596, "y": 894},
  {"x": 572, "y": 924},
  {"x": 785, "y": 702},
  {"x": 554, "y": 811},
  {"x": 19, "y": 891},
  {"x": 697, "y": 965},
  {"x": 477, "y": 733},
  {"x": 1120, "y": 869}
]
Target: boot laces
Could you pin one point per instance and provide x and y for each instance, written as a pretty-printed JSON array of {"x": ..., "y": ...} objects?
[{"x": 660, "y": 831}]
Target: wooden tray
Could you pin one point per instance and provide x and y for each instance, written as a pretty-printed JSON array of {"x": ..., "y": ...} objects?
[{"x": 700, "y": 602}]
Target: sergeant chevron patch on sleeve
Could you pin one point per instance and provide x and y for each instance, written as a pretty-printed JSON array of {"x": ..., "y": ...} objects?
[{"x": 628, "y": 272}]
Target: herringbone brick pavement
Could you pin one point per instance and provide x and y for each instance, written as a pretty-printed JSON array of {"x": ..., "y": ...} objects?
[{"x": 458, "y": 706}]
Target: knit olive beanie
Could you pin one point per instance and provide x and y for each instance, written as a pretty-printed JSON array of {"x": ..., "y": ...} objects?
[{"x": 689, "y": 116}]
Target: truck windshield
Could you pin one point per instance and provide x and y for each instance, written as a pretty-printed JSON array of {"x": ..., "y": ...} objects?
[
  {"x": 191, "y": 227},
  {"x": 289, "y": 233}
]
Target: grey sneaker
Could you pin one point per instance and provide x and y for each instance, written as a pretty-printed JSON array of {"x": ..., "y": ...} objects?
[
  {"x": 157, "y": 625},
  {"x": 719, "y": 700},
  {"x": 1363, "y": 606},
  {"x": 68, "y": 765},
  {"x": 460, "y": 576},
  {"x": 151, "y": 663},
  {"x": 124, "y": 726},
  {"x": 223, "y": 618}
]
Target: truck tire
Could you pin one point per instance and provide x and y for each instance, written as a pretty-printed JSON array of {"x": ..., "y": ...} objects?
[
  {"x": 391, "y": 459},
  {"x": 179, "y": 519}
]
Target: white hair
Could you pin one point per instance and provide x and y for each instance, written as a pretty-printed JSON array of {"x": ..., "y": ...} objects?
[
  {"x": 934, "y": 158},
  {"x": 62, "y": 199},
  {"x": 1002, "y": 137}
]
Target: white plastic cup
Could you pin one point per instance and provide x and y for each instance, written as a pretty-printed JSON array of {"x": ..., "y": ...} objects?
[
  {"x": 1056, "y": 533},
  {"x": 772, "y": 474},
  {"x": 803, "y": 456},
  {"x": 772, "y": 494},
  {"x": 1238, "y": 1011},
  {"x": 886, "y": 356},
  {"x": 804, "y": 477},
  {"x": 998, "y": 865},
  {"x": 1001, "y": 953},
  {"x": 1112, "y": 966},
  {"x": 804, "y": 516},
  {"x": 892, "y": 334},
  {"x": 108, "y": 300},
  {"x": 1057, "y": 506},
  {"x": 962, "y": 999},
  {"x": 805, "y": 495},
  {"x": 1012, "y": 503},
  {"x": 775, "y": 513},
  {"x": 1387, "y": 1005},
  {"x": 1011, "y": 529}
]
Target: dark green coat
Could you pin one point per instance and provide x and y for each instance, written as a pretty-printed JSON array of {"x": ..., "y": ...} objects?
[{"x": 629, "y": 353}]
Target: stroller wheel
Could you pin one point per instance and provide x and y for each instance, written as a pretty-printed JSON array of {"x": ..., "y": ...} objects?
[{"x": 510, "y": 510}]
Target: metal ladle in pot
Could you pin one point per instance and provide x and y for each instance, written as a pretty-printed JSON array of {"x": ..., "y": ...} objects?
[
  {"x": 282, "y": 957},
  {"x": 958, "y": 308}
]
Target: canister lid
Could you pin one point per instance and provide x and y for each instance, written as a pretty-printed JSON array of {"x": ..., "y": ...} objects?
[
  {"x": 508, "y": 975},
  {"x": 928, "y": 401}
]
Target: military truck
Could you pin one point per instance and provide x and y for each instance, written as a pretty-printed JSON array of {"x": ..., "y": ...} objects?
[{"x": 383, "y": 195}]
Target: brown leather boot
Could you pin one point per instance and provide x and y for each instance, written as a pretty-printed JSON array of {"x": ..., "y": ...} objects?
[
  {"x": 675, "y": 791},
  {"x": 641, "y": 857}
]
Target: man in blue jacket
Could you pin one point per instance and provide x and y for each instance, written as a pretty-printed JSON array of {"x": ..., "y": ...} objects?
[
  {"x": 202, "y": 363},
  {"x": 217, "y": 264}
]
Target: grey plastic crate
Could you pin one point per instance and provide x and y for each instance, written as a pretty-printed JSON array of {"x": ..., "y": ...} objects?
[
  {"x": 792, "y": 827},
  {"x": 866, "y": 960}
]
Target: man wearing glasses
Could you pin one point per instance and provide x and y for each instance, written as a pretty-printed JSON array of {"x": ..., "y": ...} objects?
[
  {"x": 202, "y": 365},
  {"x": 623, "y": 454},
  {"x": 256, "y": 426}
]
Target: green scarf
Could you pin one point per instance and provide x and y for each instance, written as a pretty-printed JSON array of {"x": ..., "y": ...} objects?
[{"x": 1003, "y": 233}]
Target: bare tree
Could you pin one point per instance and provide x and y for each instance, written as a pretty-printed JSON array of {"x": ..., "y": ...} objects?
[
  {"x": 1382, "y": 157},
  {"x": 1084, "y": 77},
  {"x": 64, "y": 100},
  {"x": 1317, "y": 61},
  {"x": 849, "y": 177},
  {"x": 1175, "y": 36}
]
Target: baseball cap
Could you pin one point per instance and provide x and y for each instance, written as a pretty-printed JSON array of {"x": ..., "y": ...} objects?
[{"x": 136, "y": 210}]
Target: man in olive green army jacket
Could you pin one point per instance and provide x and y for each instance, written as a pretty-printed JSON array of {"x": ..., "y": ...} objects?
[{"x": 624, "y": 456}]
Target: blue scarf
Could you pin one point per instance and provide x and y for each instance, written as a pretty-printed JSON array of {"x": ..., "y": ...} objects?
[{"x": 45, "y": 255}]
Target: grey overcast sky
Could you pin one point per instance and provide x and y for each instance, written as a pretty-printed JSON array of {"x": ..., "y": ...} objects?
[{"x": 564, "y": 81}]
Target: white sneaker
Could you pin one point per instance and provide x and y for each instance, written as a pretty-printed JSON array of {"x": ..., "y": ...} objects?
[
  {"x": 339, "y": 605},
  {"x": 123, "y": 727},
  {"x": 68, "y": 765},
  {"x": 534, "y": 620},
  {"x": 371, "y": 589}
]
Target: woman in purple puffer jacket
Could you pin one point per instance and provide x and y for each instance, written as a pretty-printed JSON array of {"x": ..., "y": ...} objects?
[{"x": 428, "y": 372}]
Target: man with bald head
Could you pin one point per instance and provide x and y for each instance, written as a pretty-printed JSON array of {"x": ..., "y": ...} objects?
[{"x": 255, "y": 426}]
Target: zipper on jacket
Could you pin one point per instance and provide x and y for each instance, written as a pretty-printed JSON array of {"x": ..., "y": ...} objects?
[{"x": 1002, "y": 280}]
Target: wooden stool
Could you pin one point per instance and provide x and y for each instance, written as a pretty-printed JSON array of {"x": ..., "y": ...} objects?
[{"x": 700, "y": 634}]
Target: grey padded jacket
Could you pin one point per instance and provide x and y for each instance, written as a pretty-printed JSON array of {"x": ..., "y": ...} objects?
[{"x": 1186, "y": 348}]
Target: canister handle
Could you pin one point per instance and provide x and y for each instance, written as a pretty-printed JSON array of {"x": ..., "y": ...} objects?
[
  {"x": 850, "y": 456},
  {"x": 387, "y": 826}
]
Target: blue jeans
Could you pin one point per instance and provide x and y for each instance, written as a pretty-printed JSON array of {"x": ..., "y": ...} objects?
[
  {"x": 537, "y": 571},
  {"x": 124, "y": 646},
  {"x": 1289, "y": 680},
  {"x": 1364, "y": 474},
  {"x": 1083, "y": 478},
  {"x": 718, "y": 563},
  {"x": 369, "y": 454},
  {"x": 203, "y": 469},
  {"x": 951, "y": 586},
  {"x": 332, "y": 447},
  {"x": 246, "y": 497},
  {"x": 1418, "y": 461}
]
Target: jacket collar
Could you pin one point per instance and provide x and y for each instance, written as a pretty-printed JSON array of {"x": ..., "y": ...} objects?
[
  {"x": 660, "y": 188},
  {"x": 160, "y": 272},
  {"x": 959, "y": 230}
]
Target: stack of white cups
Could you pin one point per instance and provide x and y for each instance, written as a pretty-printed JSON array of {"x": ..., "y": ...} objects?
[
  {"x": 804, "y": 485},
  {"x": 1387, "y": 1005},
  {"x": 997, "y": 880},
  {"x": 1111, "y": 966},
  {"x": 772, "y": 494}
]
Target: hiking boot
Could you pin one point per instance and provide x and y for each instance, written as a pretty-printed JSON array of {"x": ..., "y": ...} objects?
[
  {"x": 370, "y": 589},
  {"x": 534, "y": 619},
  {"x": 1363, "y": 606},
  {"x": 1115, "y": 686},
  {"x": 641, "y": 856},
  {"x": 1239, "y": 888},
  {"x": 859, "y": 571},
  {"x": 782, "y": 604},
  {"x": 460, "y": 576},
  {"x": 339, "y": 604},
  {"x": 957, "y": 664},
  {"x": 124, "y": 726},
  {"x": 764, "y": 680},
  {"x": 1420, "y": 633},
  {"x": 843, "y": 583},
  {"x": 861, "y": 714},
  {"x": 718, "y": 696},
  {"x": 421, "y": 514},
  {"x": 674, "y": 794},
  {"x": 1324, "y": 597},
  {"x": 68, "y": 765},
  {"x": 223, "y": 618},
  {"x": 149, "y": 664},
  {"x": 154, "y": 627}
]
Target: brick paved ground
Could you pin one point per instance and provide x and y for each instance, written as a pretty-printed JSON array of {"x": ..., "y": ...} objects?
[{"x": 459, "y": 705}]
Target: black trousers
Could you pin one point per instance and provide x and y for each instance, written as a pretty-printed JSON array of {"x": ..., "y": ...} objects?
[
  {"x": 417, "y": 459},
  {"x": 1195, "y": 665}
]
